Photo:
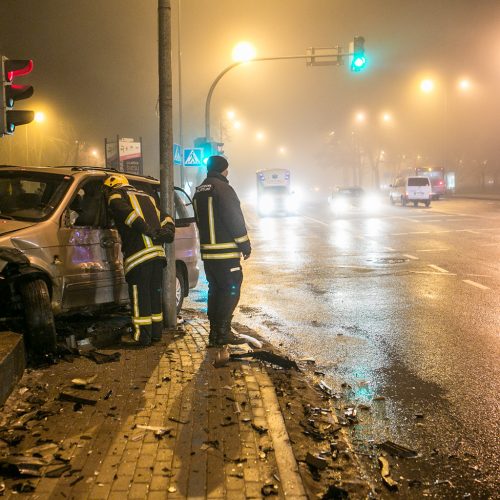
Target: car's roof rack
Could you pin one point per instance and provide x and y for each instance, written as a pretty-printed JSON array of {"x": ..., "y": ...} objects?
[{"x": 82, "y": 168}]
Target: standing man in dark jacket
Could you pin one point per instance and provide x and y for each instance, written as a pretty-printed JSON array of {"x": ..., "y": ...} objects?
[
  {"x": 143, "y": 233},
  {"x": 223, "y": 239}
]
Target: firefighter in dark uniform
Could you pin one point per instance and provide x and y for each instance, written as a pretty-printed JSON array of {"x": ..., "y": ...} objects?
[
  {"x": 223, "y": 239},
  {"x": 143, "y": 232}
]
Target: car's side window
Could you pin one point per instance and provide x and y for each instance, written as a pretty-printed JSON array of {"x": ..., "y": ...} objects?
[{"x": 88, "y": 206}]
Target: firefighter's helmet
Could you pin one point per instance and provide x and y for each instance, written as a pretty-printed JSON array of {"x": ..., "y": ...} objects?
[{"x": 116, "y": 180}]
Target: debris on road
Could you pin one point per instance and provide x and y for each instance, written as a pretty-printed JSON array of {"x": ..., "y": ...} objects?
[
  {"x": 268, "y": 357},
  {"x": 324, "y": 387},
  {"x": 386, "y": 473},
  {"x": 101, "y": 357},
  {"x": 269, "y": 489},
  {"x": 76, "y": 397},
  {"x": 316, "y": 461},
  {"x": 83, "y": 382},
  {"x": 335, "y": 493},
  {"x": 397, "y": 450}
]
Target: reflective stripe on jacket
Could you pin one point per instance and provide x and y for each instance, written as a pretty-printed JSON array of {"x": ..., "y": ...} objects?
[
  {"x": 137, "y": 217},
  {"x": 223, "y": 233}
]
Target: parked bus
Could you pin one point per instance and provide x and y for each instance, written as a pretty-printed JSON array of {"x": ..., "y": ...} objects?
[{"x": 437, "y": 177}]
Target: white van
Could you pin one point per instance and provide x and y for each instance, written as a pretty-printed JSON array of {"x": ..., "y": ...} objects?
[{"x": 411, "y": 189}]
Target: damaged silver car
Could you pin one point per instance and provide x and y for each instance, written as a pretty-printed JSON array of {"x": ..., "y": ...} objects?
[{"x": 59, "y": 250}]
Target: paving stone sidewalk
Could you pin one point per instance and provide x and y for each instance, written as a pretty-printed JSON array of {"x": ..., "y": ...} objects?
[{"x": 213, "y": 432}]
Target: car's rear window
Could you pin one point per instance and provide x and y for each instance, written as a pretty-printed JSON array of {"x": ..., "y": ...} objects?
[{"x": 418, "y": 181}]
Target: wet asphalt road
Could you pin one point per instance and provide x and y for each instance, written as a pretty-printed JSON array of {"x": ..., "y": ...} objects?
[{"x": 402, "y": 303}]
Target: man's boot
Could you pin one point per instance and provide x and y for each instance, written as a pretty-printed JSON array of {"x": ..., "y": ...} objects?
[
  {"x": 226, "y": 335},
  {"x": 213, "y": 334}
]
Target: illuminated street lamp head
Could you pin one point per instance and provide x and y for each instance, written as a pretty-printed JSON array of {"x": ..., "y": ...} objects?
[
  {"x": 387, "y": 118},
  {"x": 281, "y": 150},
  {"x": 260, "y": 136},
  {"x": 231, "y": 114},
  {"x": 237, "y": 125},
  {"x": 427, "y": 85},
  {"x": 39, "y": 116},
  {"x": 360, "y": 117},
  {"x": 464, "y": 84},
  {"x": 243, "y": 52}
]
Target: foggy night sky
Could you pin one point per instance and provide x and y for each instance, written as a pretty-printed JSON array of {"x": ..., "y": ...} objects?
[{"x": 96, "y": 71}]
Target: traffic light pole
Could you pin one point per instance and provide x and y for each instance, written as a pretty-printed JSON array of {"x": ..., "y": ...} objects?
[
  {"x": 166, "y": 154},
  {"x": 330, "y": 57}
]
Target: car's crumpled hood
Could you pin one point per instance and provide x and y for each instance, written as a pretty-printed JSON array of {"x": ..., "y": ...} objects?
[{"x": 9, "y": 226}]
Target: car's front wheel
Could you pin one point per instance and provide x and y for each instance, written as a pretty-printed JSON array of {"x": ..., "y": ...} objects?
[
  {"x": 428, "y": 203},
  {"x": 39, "y": 320}
]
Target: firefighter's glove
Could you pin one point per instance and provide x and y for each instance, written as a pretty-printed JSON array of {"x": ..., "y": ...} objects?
[{"x": 163, "y": 235}]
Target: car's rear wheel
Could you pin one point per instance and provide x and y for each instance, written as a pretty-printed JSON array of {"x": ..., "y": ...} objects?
[
  {"x": 403, "y": 201},
  {"x": 40, "y": 331},
  {"x": 180, "y": 288},
  {"x": 428, "y": 203},
  {"x": 415, "y": 203}
]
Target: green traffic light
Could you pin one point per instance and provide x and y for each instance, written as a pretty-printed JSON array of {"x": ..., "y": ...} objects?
[{"x": 358, "y": 63}]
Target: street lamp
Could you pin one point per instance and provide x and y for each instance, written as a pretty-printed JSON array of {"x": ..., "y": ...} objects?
[
  {"x": 360, "y": 117},
  {"x": 39, "y": 116},
  {"x": 243, "y": 52},
  {"x": 427, "y": 85},
  {"x": 260, "y": 136}
]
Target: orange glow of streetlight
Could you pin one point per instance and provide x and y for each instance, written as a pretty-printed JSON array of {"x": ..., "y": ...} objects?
[
  {"x": 282, "y": 150},
  {"x": 260, "y": 136},
  {"x": 231, "y": 114},
  {"x": 237, "y": 124},
  {"x": 387, "y": 117},
  {"x": 360, "y": 117},
  {"x": 427, "y": 85},
  {"x": 243, "y": 52},
  {"x": 464, "y": 84},
  {"x": 39, "y": 116}
]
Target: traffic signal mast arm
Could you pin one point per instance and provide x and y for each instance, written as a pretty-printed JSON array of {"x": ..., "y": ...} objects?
[{"x": 330, "y": 56}]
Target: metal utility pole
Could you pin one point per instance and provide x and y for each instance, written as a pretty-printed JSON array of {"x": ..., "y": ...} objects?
[{"x": 166, "y": 153}]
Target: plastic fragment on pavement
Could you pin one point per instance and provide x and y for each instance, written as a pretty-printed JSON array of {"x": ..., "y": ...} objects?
[
  {"x": 386, "y": 473},
  {"x": 397, "y": 450},
  {"x": 268, "y": 357},
  {"x": 316, "y": 461}
]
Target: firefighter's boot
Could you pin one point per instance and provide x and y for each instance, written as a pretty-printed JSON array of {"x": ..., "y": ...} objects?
[
  {"x": 213, "y": 334},
  {"x": 226, "y": 335}
]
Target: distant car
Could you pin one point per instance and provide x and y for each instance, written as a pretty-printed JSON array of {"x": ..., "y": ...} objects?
[
  {"x": 60, "y": 252},
  {"x": 413, "y": 189},
  {"x": 345, "y": 199}
]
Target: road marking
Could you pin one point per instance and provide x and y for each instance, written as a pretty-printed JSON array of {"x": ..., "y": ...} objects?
[
  {"x": 434, "y": 220},
  {"x": 389, "y": 248},
  {"x": 467, "y": 231},
  {"x": 412, "y": 257},
  {"x": 479, "y": 275},
  {"x": 437, "y": 268},
  {"x": 434, "y": 250},
  {"x": 478, "y": 285}
]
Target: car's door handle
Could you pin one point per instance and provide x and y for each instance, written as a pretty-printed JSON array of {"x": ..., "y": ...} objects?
[{"x": 107, "y": 242}]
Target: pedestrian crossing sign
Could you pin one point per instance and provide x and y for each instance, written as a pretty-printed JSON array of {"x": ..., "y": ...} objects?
[
  {"x": 193, "y": 157},
  {"x": 177, "y": 154}
]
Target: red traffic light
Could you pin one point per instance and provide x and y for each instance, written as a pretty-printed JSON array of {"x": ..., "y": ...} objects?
[{"x": 17, "y": 67}]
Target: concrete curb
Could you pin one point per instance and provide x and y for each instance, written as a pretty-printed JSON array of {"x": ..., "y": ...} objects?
[{"x": 12, "y": 362}]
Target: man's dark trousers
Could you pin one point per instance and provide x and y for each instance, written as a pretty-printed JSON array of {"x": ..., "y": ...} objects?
[
  {"x": 224, "y": 285},
  {"x": 145, "y": 289}
]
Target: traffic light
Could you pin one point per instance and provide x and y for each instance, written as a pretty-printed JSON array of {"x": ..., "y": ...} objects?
[
  {"x": 209, "y": 148},
  {"x": 12, "y": 92},
  {"x": 206, "y": 147},
  {"x": 357, "y": 54}
]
